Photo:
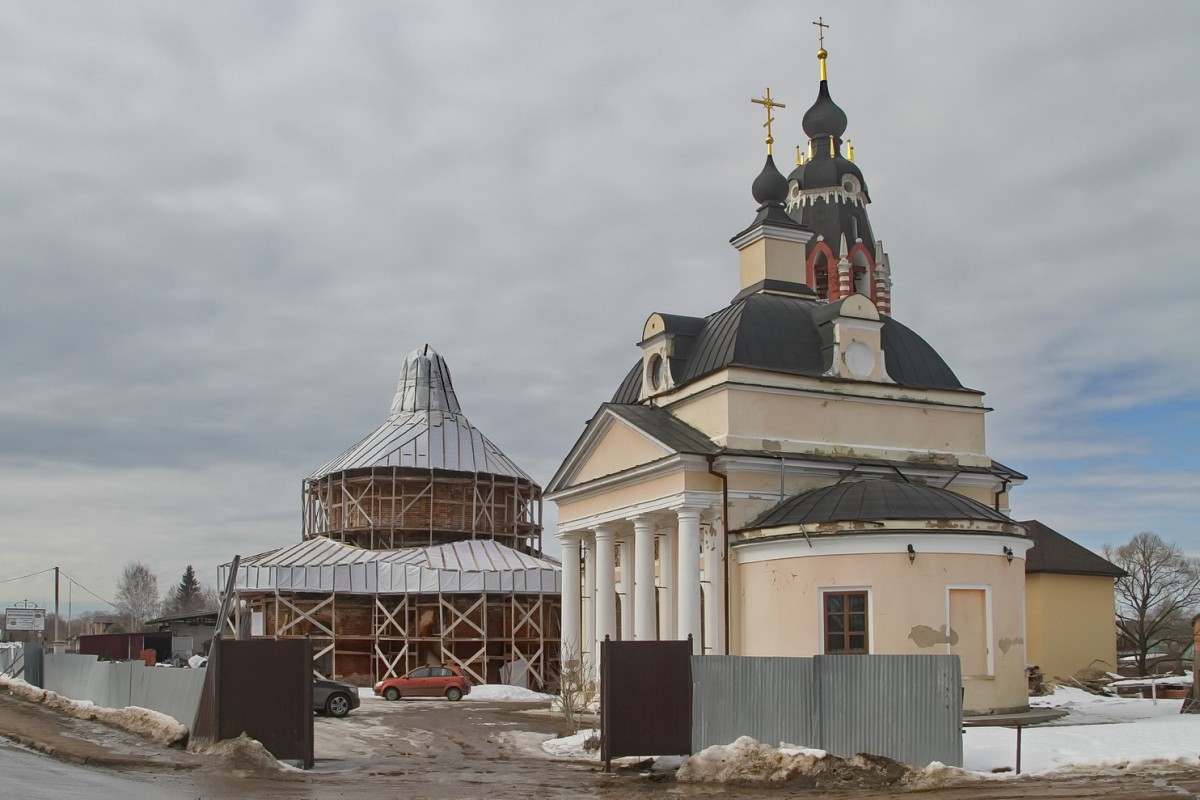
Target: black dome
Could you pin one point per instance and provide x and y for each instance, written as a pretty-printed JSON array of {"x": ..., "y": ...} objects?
[
  {"x": 792, "y": 335},
  {"x": 876, "y": 500},
  {"x": 825, "y": 118},
  {"x": 770, "y": 187}
]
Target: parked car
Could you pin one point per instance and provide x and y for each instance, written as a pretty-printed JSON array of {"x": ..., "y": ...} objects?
[
  {"x": 334, "y": 698},
  {"x": 445, "y": 682}
]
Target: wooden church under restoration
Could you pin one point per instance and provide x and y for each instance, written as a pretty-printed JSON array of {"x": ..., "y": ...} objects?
[{"x": 421, "y": 545}]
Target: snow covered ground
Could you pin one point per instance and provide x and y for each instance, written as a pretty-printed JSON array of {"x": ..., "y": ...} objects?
[{"x": 1098, "y": 735}]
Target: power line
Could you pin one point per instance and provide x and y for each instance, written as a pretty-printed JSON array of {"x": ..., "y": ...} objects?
[
  {"x": 30, "y": 575},
  {"x": 86, "y": 589}
]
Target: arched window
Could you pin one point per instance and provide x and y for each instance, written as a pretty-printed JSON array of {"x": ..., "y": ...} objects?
[{"x": 821, "y": 276}]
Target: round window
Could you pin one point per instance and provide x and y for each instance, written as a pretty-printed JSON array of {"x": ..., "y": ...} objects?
[{"x": 656, "y": 371}]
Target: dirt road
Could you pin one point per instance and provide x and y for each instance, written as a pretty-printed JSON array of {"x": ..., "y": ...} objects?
[{"x": 427, "y": 749}]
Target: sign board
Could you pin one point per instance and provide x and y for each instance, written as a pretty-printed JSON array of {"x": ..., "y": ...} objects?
[{"x": 25, "y": 619}]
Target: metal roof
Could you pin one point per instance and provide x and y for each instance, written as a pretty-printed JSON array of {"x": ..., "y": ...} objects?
[
  {"x": 1053, "y": 552},
  {"x": 426, "y": 429},
  {"x": 876, "y": 500},
  {"x": 323, "y": 565},
  {"x": 792, "y": 335}
]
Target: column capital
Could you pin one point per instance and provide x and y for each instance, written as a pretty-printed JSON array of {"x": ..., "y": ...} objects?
[
  {"x": 606, "y": 531},
  {"x": 689, "y": 511},
  {"x": 571, "y": 537}
]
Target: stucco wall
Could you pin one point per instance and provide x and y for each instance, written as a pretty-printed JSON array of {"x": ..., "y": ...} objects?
[
  {"x": 909, "y": 609},
  {"x": 746, "y": 417},
  {"x": 1070, "y": 623}
]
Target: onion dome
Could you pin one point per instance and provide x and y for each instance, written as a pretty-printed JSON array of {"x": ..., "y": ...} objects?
[
  {"x": 825, "y": 118},
  {"x": 770, "y": 188}
]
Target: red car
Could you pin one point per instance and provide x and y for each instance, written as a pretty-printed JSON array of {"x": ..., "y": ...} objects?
[{"x": 445, "y": 682}]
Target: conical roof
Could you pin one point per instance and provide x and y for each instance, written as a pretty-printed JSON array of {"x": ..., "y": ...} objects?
[{"x": 426, "y": 428}]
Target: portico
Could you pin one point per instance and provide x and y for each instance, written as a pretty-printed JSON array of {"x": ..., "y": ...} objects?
[{"x": 651, "y": 579}]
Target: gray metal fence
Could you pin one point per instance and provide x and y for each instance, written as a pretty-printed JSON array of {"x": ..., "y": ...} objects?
[
  {"x": 32, "y": 659},
  {"x": 11, "y": 658},
  {"x": 171, "y": 691},
  {"x": 904, "y": 707}
]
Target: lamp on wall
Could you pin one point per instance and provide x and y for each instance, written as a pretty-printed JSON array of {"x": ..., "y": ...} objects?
[
  {"x": 1008, "y": 553},
  {"x": 912, "y": 554}
]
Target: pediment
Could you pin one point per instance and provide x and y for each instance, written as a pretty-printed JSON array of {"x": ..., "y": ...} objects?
[{"x": 620, "y": 438}]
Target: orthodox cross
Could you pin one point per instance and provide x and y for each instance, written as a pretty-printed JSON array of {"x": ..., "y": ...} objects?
[
  {"x": 821, "y": 26},
  {"x": 768, "y": 103}
]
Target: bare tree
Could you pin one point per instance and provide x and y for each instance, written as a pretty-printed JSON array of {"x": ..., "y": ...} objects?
[
  {"x": 137, "y": 594},
  {"x": 1155, "y": 599}
]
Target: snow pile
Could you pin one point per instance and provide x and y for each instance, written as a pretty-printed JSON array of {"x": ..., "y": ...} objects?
[
  {"x": 507, "y": 694},
  {"x": 748, "y": 762},
  {"x": 149, "y": 724},
  {"x": 1085, "y": 708},
  {"x": 575, "y": 747},
  {"x": 244, "y": 754}
]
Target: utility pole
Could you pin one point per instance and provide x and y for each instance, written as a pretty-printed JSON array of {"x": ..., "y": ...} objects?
[{"x": 56, "y": 614}]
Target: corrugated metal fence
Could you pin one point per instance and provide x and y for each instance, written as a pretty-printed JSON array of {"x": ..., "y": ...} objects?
[
  {"x": 904, "y": 707},
  {"x": 174, "y": 692}
]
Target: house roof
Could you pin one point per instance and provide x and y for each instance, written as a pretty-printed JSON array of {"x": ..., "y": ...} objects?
[
  {"x": 873, "y": 500},
  {"x": 1054, "y": 553}
]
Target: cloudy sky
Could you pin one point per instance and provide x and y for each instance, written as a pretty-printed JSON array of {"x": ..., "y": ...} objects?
[{"x": 223, "y": 227}]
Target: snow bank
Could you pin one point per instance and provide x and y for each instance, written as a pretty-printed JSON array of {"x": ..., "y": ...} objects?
[
  {"x": 244, "y": 754},
  {"x": 149, "y": 724},
  {"x": 574, "y": 747},
  {"x": 748, "y": 762}
]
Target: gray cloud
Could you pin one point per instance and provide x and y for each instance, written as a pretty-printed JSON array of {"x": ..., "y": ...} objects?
[{"x": 221, "y": 232}]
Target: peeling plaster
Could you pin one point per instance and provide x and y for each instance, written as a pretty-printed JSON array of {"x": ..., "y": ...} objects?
[
  {"x": 1007, "y": 644},
  {"x": 925, "y": 636}
]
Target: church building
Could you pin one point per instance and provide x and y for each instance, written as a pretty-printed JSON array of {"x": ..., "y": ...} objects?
[{"x": 797, "y": 473}]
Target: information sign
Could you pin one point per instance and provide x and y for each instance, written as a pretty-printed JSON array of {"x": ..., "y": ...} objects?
[{"x": 25, "y": 619}]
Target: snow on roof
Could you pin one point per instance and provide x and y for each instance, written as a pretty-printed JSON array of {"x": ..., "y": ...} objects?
[
  {"x": 425, "y": 428},
  {"x": 323, "y": 565}
]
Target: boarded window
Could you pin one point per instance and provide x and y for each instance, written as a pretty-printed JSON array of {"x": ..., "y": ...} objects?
[
  {"x": 968, "y": 619},
  {"x": 845, "y": 622}
]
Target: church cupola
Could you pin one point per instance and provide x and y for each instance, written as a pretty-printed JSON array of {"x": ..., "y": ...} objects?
[
  {"x": 773, "y": 247},
  {"x": 828, "y": 195}
]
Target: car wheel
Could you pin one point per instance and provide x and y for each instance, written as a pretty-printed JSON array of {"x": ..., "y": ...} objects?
[
  {"x": 391, "y": 693},
  {"x": 454, "y": 693},
  {"x": 338, "y": 705}
]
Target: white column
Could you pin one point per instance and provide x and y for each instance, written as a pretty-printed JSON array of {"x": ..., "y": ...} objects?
[
  {"x": 588, "y": 634},
  {"x": 689, "y": 576},
  {"x": 606, "y": 592},
  {"x": 645, "y": 626},
  {"x": 628, "y": 601},
  {"x": 714, "y": 603},
  {"x": 667, "y": 567},
  {"x": 572, "y": 642}
]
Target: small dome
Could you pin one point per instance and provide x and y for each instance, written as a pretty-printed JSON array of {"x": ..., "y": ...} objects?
[
  {"x": 825, "y": 118},
  {"x": 877, "y": 500},
  {"x": 770, "y": 187}
]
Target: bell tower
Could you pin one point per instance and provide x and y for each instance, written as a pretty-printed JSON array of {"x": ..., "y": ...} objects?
[{"x": 828, "y": 195}]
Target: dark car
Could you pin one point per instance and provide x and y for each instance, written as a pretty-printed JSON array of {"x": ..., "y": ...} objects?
[
  {"x": 445, "y": 682},
  {"x": 334, "y": 698}
]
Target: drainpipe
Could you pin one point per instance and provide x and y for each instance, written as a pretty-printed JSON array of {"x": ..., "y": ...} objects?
[
  {"x": 1003, "y": 490},
  {"x": 724, "y": 540}
]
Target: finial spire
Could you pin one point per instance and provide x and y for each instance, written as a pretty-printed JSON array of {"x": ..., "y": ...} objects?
[
  {"x": 850, "y": 148},
  {"x": 799, "y": 158},
  {"x": 768, "y": 103},
  {"x": 821, "y": 54}
]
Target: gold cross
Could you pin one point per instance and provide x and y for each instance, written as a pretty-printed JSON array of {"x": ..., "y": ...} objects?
[
  {"x": 821, "y": 26},
  {"x": 768, "y": 103}
]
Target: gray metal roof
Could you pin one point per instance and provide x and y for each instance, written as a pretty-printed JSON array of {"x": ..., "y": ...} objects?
[
  {"x": 792, "y": 335},
  {"x": 876, "y": 500},
  {"x": 426, "y": 429},
  {"x": 324, "y": 565},
  {"x": 665, "y": 427}
]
